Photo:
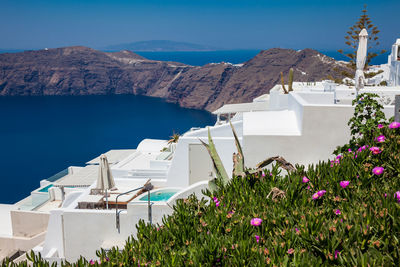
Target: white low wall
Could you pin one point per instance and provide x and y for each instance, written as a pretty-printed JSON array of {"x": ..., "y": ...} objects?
[{"x": 28, "y": 223}]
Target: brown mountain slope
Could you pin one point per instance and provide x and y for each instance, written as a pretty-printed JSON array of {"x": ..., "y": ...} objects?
[{"x": 85, "y": 71}]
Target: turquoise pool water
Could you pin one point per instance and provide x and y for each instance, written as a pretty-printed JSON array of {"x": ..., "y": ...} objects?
[
  {"x": 46, "y": 189},
  {"x": 161, "y": 195}
]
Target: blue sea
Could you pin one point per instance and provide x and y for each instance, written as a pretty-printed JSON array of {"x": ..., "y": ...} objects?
[{"x": 40, "y": 136}]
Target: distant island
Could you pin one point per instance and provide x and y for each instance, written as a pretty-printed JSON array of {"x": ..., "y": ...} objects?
[{"x": 159, "y": 46}]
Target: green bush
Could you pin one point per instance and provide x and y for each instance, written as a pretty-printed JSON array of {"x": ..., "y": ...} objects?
[{"x": 341, "y": 212}]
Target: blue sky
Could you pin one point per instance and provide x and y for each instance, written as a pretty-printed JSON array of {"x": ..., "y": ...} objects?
[{"x": 234, "y": 24}]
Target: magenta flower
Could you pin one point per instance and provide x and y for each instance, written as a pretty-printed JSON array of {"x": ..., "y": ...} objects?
[
  {"x": 385, "y": 195},
  {"x": 380, "y": 139},
  {"x": 344, "y": 184},
  {"x": 337, "y": 252},
  {"x": 378, "y": 170},
  {"x": 257, "y": 238},
  {"x": 256, "y": 221},
  {"x": 305, "y": 180},
  {"x": 297, "y": 230},
  {"x": 375, "y": 150},
  {"x": 349, "y": 150},
  {"x": 290, "y": 251},
  {"x": 397, "y": 195},
  {"x": 263, "y": 174},
  {"x": 339, "y": 157},
  {"x": 394, "y": 125},
  {"x": 338, "y": 212},
  {"x": 216, "y": 201},
  {"x": 318, "y": 194},
  {"x": 91, "y": 262},
  {"x": 362, "y": 148},
  {"x": 380, "y": 126}
]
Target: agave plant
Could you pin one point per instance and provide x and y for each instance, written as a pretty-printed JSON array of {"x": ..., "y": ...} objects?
[{"x": 239, "y": 168}]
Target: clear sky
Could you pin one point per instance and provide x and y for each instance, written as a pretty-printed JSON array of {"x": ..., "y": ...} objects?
[{"x": 247, "y": 24}]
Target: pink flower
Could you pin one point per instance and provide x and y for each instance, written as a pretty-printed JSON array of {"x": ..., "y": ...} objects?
[
  {"x": 290, "y": 251},
  {"x": 375, "y": 150},
  {"x": 397, "y": 195},
  {"x": 380, "y": 139},
  {"x": 394, "y": 125},
  {"x": 380, "y": 126},
  {"x": 216, "y": 201},
  {"x": 349, "y": 150},
  {"x": 385, "y": 195},
  {"x": 297, "y": 230},
  {"x": 305, "y": 179},
  {"x": 318, "y": 194},
  {"x": 362, "y": 148},
  {"x": 337, "y": 252},
  {"x": 338, "y": 212},
  {"x": 256, "y": 221},
  {"x": 339, "y": 156},
  {"x": 91, "y": 262},
  {"x": 344, "y": 184},
  {"x": 263, "y": 174},
  {"x": 378, "y": 170},
  {"x": 257, "y": 238}
]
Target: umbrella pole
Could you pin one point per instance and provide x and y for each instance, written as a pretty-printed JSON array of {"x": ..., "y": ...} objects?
[{"x": 106, "y": 200}]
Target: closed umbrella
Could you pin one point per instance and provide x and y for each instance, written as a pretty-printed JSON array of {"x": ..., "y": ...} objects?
[
  {"x": 361, "y": 58},
  {"x": 105, "y": 180}
]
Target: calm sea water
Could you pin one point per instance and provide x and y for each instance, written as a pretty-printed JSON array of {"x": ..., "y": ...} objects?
[{"x": 40, "y": 136}]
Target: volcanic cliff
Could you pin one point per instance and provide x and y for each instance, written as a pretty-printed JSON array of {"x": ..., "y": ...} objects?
[{"x": 85, "y": 71}]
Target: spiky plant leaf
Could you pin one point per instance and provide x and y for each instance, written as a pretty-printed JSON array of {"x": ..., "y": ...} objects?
[
  {"x": 290, "y": 80},
  {"x": 219, "y": 168},
  {"x": 238, "y": 159},
  {"x": 283, "y": 84}
]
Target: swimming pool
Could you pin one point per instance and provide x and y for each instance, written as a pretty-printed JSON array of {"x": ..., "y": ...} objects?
[
  {"x": 160, "y": 195},
  {"x": 46, "y": 188}
]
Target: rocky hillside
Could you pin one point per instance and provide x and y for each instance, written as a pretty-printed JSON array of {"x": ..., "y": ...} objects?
[{"x": 85, "y": 71}]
